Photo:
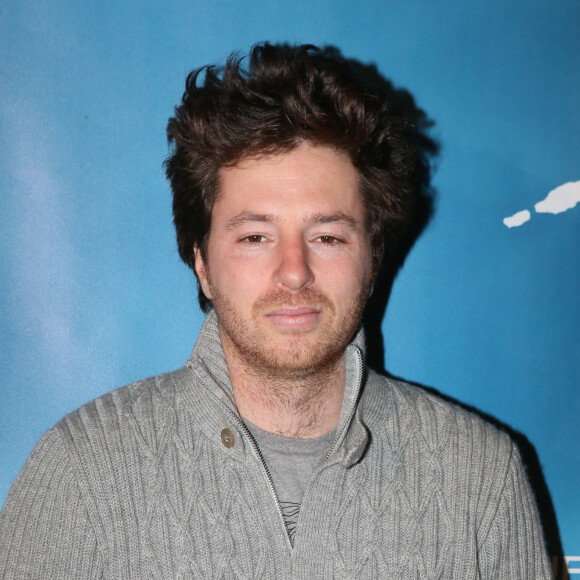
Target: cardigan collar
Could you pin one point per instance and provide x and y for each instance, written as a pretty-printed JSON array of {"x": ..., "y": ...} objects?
[{"x": 208, "y": 363}]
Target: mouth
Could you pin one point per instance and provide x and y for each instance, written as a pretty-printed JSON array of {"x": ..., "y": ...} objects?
[{"x": 294, "y": 318}]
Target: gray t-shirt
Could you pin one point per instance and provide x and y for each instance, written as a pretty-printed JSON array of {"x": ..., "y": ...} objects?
[{"x": 291, "y": 463}]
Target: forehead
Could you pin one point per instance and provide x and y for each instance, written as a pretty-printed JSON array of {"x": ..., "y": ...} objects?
[{"x": 309, "y": 178}]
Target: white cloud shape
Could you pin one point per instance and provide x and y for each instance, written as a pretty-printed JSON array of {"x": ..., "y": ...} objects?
[
  {"x": 517, "y": 219},
  {"x": 560, "y": 199}
]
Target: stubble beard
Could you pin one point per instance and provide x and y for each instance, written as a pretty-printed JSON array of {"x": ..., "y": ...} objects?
[{"x": 289, "y": 355}]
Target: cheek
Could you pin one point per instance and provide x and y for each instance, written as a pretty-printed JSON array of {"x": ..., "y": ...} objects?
[
  {"x": 238, "y": 279},
  {"x": 345, "y": 278}
]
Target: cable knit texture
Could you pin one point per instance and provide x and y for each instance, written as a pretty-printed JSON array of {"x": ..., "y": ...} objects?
[{"x": 139, "y": 485}]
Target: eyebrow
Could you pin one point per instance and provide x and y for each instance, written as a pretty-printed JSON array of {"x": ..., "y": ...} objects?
[
  {"x": 246, "y": 217},
  {"x": 317, "y": 218},
  {"x": 338, "y": 217}
]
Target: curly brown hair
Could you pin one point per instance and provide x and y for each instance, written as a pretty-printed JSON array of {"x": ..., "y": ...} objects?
[{"x": 287, "y": 95}]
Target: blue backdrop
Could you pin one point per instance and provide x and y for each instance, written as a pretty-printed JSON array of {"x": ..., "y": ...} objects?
[{"x": 93, "y": 294}]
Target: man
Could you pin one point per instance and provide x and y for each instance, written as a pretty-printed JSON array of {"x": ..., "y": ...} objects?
[{"x": 274, "y": 453}]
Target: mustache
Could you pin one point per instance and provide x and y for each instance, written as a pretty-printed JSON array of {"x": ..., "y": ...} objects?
[{"x": 307, "y": 297}]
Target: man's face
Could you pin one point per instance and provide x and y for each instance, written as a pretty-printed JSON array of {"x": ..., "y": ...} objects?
[{"x": 288, "y": 263}]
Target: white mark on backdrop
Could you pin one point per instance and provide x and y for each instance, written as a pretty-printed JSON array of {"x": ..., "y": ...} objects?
[
  {"x": 517, "y": 219},
  {"x": 559, "y": 200}
]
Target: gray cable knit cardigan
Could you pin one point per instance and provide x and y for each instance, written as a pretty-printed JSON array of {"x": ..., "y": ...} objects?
[{"x": 159, "y": 480}]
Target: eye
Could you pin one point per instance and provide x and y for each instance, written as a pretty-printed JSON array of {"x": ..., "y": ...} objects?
[
  {"x": 254, "y": 239},
  {"x": 327, "y": 239}
]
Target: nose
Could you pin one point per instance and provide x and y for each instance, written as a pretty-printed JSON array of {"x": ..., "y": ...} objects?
[{"x": 293, "y": 269}]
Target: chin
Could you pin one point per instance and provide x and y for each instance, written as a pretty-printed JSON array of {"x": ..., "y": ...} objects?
[{"x": 298, "y": 356}]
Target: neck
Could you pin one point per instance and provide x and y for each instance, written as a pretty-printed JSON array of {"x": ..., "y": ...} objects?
[{"x": 291, "y": 404}]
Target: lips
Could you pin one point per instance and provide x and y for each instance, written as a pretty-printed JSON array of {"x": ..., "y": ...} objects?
[{"x": 294, "y": 317}]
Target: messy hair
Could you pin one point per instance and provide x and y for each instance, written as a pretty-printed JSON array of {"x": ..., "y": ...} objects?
[{"x": 278, "y": 98}]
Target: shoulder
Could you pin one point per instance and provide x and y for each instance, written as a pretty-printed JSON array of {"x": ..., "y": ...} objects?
[
  {"x": 405, "y": 412},
  {"x": 456, "y": 449},
  {"x": 144, "y": 407},
  {"x": 160, "y": 389}
]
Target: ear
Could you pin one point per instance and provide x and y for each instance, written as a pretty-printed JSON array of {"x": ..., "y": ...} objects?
[
  {"x": 202, "y": 272},
  {"x": 371, "y": 281}
]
